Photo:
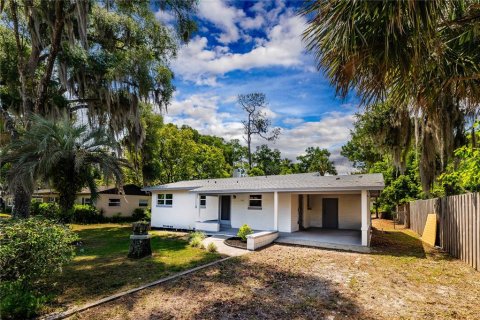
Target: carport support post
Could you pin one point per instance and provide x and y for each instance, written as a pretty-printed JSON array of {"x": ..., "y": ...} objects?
[
  {"x": 275, "y": 211},
  {"x": 365, "y": 212}
]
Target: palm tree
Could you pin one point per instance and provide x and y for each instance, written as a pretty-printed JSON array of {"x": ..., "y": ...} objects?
[
  {"x": 421, "y": 57},
  {"x": 68, "y": 156}
]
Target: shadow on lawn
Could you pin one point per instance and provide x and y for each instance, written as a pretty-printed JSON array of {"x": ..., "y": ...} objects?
[
  {"x": 237, "y": 289},
  {"x": 397, "y": 243},
  {"x": 102, "y": 267}
]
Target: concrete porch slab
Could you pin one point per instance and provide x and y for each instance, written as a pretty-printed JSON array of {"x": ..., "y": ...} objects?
[{"x": 349, "y": 240}]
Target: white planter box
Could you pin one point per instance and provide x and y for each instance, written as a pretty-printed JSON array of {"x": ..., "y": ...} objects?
[{"x": 260, "y": 239}]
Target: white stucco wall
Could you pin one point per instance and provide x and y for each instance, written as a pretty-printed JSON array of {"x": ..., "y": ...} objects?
[
  {"x": 181, "y": 215},
  {"x": 255, "y": 218},
  {"x": 210, "y": 212},
  {"x": 349, "y": 211},
  {"x": 184, "y": 212},
  {"x": 284, "y": 212}
]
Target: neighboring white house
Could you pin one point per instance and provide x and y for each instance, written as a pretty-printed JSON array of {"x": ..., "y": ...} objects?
[{"x": 286, "y": 203}]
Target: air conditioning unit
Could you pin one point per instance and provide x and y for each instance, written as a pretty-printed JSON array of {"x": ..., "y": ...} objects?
[{"x": 239, "y": 172}]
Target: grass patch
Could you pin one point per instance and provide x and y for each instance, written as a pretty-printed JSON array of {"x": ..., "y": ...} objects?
[
  {"x": 4, "y": 216},
  {"x": 101, "y": 266}
]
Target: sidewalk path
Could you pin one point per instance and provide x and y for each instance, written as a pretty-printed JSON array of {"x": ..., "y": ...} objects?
[{"x": 222, "y": 248}]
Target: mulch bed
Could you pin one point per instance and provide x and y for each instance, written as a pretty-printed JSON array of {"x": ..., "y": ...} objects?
[{"x": 235, "y": 242}]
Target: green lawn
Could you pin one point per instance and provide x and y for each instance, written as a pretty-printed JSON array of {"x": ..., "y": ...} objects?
[{"x": 101, "y": 266}]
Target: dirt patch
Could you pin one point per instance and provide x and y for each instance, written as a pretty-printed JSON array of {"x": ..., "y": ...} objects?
[
  {"x": 402, "y": 279},
  {"x": 236, "y": 242}
]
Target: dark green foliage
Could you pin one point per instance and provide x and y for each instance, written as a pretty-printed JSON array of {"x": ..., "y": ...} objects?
[
  {"x": 316, "y": 160},
  {"x": 64, "y": 154},
  {"x": 255, "y": 172},
  {"x": 267, "y": 160},
  {"x": 104, "y": 57},
  {"x": 50, "y": 210},
  {"x": 19, "y": 301},
  {"x": 84, "y": 214},
  {"x": 31, "y": 252},
  {"x": 141, "y": 214},
  {"x": 417, "y": 60}
]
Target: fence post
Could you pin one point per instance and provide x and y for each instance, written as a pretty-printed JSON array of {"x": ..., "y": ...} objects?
[{"x": 407, "y": 215}]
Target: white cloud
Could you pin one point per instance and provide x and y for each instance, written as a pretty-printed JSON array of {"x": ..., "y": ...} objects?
[
  {"x": 165, "y": 17},
  {"x": 292, "y": 121},
  {"x": 223, "y": 17},
  {"x": 281, "y": 47},
  {"x": 201, "y": 112}
]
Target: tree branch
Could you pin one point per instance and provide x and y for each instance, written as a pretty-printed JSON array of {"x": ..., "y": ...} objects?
[{"x": 54, "y": 49}]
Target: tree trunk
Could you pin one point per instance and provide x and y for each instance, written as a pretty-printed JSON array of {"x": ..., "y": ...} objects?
[
  {"x": 21, "y": 203},
  {"x": 66, "y": 200},
  {"x": 249, "y": 142}
]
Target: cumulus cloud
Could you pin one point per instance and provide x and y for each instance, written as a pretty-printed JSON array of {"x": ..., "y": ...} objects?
[
  {"x": 201, "y": 112},
  {"x": 282, "y": 45},
  {"x": 223, "y": 17}
]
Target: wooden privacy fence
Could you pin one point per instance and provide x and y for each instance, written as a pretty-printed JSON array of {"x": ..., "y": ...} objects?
[{"x": 458, "y": 229}]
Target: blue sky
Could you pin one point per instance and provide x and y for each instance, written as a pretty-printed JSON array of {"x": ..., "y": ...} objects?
[{"x": 255, "y": 46}]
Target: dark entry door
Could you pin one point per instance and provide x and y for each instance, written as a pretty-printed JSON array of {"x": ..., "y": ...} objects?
[
  {"x": 225, "y": 204},
  {"x": 330, "y": 213}
]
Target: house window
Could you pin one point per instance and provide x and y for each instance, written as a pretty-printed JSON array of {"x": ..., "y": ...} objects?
[
  {"x": 87, "y": 201},
  {"x": 114, "y": 202},
  {"x": 143, "y": 202},
  {"x": 164, "y": 200},
  {"x": 309, "y": 202},
  {"x": 203, "y": 201},
  {"x": 255, "y": 201},
  {"x": 51, "y": 199}
]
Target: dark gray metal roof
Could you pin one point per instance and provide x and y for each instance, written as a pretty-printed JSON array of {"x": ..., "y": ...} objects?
[{"x": 290, "y": 182}]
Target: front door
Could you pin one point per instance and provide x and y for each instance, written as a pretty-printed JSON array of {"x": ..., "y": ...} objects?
[
  {"x": 225, "y": 205},
  {"x": 330, "y": 213}
]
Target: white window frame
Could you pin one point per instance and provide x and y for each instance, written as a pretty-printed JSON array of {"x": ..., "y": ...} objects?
[
  {"x": 114, "y": 203},
  {"x": 203, "y": 201},
  {"x": 87, "y": 201},
  {"x": 165, "y": 200},
  {"x": 254, "y": 197},
  {"x": 143, "y": 202}
]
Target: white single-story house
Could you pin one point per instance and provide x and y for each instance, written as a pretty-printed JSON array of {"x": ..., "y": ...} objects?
[{"x": 290, "y": 204}]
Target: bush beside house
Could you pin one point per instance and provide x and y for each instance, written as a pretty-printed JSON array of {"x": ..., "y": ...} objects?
[
  {"x": 31, "y": 252},
  {"x": 244, "y": 231}
]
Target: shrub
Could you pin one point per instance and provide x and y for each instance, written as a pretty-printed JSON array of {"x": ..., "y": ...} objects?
[
  {"x": 81, "y": 213},
  {"x": 118, "y": 218},
  {"x": 49, "y": 210},
  {"x": 212, "y": 247},
  {"x": 197, "y": 234},
  {"x": 31, "y": 251},
  {"x": 195, "y": 242},
  {"x": 18, "y": 301},
  {"x": 244, "y": 231},
  {"x": 196, "y": 239},
  {"x": 141, "y": 214}
]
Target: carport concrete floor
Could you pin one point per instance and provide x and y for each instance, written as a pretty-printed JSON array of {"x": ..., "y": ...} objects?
[{"x": 350, "y": 240}]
